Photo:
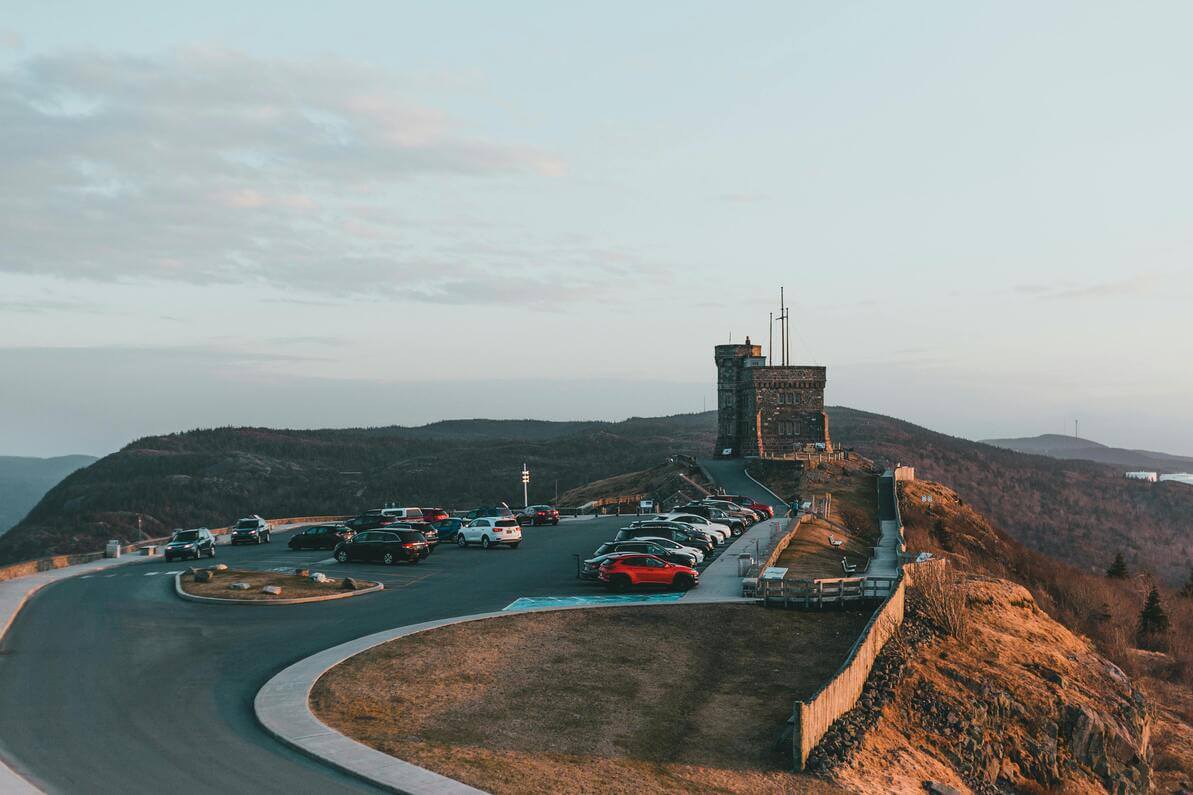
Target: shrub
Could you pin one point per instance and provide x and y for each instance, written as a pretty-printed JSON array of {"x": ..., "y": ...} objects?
[{"x": 942, "y": 595}]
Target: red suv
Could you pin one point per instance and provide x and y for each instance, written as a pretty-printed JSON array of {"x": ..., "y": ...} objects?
[
  {"x": 624, "y": 571},
  {"x": 538, "y": 514},
  {"x": 432, "y": 515}
]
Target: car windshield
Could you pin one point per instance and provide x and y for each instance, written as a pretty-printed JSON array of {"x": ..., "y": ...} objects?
[
  {"x": 247, "y": 524},
  {"x": 187, "y": 535}
]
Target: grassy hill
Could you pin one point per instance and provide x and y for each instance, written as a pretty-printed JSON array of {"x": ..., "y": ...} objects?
[
  {"x": 24, "y": 480},
  {"x": 211, "y": 477},
  {"x": 1078, "y": 511}
]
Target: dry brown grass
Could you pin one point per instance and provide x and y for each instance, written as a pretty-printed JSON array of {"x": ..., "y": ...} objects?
[
  {"x": 810, "y": 556},
  {"x": 943, "y": 594},
  {"x": 293, "y": 586},
  {"x": 638, "y": 699}
]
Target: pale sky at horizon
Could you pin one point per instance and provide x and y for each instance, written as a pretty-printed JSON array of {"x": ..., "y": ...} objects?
[{"x": 392, "y": 213}]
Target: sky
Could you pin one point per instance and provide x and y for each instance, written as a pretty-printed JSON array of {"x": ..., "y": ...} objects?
[{"x": 332, "y": 215}]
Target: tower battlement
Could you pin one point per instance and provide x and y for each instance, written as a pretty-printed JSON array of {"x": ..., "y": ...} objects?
[{"x": 768, "y": 411}]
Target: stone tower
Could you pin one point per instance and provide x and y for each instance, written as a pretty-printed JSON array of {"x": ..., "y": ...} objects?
[
  {"x": 769, "y": 412},
  {"x": 731, "y": 361}
]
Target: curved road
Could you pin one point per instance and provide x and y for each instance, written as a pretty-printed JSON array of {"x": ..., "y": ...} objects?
[{"x": 111, "y": 683}]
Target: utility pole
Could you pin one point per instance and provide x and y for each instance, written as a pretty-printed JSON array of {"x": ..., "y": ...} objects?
[
  {"x": 525, "y": 486},
  {"x": 770, "y": 341}
]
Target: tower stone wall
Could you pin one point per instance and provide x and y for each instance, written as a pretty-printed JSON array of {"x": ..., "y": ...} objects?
[{"x": 768, "y": 411}]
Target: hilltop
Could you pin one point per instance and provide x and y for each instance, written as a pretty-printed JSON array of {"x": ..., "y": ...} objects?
[
  {"x": 211, "y": 477},
  {"x": 1068, "y": 447},
  {"x": 23, "y": 481},
  {"x": 1078, "y": 511}
]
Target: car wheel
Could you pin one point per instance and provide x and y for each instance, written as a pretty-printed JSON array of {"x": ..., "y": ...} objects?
[
  {"x": 269, "y": 538},
  {"x": 619, "y": 582},
  {"x": 388, "y": 558},
  {"x": 342, "y": 556},
  {"x": 485, "y": 542},
  {"x": 555, "y": 522},
  {"x": 682, "y": 582},
  {"x": 461, "y": 541},
  {"x": 416, "y": 559},
  {"x": 211, "y": 552}
]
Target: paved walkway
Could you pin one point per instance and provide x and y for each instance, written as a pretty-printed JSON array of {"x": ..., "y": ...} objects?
[
  {"x": 886, "y": 555},
  {"x": 721, "y": 581}
]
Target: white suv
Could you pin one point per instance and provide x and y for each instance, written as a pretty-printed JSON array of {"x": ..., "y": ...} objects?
[
  {"x": 404, "y": 514},
  {"x": 490, "y": 530},
  {"x": 717, "y": 529}
]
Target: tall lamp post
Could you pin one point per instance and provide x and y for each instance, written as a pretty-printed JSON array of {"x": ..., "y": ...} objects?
[{"x": 525, "y": 486}]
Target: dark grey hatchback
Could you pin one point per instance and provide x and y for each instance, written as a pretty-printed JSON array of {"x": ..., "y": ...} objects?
[
  {"x": 190, "y": 544},
  {"x": 384, "y": 546}
]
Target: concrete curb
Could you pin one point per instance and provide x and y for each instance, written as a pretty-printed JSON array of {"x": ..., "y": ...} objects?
[
  {"x": 298, "y": 601},
  {"x": 14, "y": 595},
  {"x": 745, "y": 471},
  {"x": 283, "y": 709}
]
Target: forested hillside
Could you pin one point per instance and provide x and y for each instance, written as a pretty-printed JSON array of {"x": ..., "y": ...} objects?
[
  {"x": 211, "y": 477},
  {"x": 1078, "y": 511}
]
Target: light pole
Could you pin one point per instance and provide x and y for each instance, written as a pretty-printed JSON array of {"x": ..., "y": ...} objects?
[{"x": 525, "y": 486}]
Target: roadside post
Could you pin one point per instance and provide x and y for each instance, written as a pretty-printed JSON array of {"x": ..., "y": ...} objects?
[{"x": 525, "y": 486}]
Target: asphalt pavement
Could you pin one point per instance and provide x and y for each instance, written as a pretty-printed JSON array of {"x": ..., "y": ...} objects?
[{"x": 111, "y": 683}]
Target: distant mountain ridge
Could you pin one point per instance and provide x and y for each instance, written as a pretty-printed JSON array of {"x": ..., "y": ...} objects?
[
  {"x": 24, "y": 480},
  {"x": 1056, "y": 445}
]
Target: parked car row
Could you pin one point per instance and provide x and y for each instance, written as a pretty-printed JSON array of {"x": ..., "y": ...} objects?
[
  {"x": 391, "y": 535},
  {"x": 667, "y": 549}
]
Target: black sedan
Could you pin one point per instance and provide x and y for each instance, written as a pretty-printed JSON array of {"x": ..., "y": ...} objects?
[
  {"x": 320, "y": 536},
  {"x": 384, "y": 546}
]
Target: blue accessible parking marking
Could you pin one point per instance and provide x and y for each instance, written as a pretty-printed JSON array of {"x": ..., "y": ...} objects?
[{"x": 531, "y": 602}]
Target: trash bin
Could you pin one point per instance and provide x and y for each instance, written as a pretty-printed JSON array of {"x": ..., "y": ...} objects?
[
  {"x": 112, "y": 550},
  {"x": 744, "y": 562}
]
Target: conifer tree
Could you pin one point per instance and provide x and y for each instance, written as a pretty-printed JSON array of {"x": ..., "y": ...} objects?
[
  {"x": 1187, "y": 588},
  {"x": 1118, "y": 569},
  {"x": 1153, "y": 620}
]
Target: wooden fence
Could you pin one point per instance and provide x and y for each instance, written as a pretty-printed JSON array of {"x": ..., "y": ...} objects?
[{"x": 812, "y": 718}]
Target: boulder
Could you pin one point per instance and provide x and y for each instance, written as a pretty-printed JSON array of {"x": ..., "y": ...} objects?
[
  {"x": 239, "y": 586},
  {"x": 274, "y": 590},
  {"x": 204, "y": 576},
  {"x": 349, "y": 584},
  {"x": 219, "y": 567},
  {"x": 318, "y": 577},
  {"x": 938, "y": 788},
  {"x": 302, "y": 572}
]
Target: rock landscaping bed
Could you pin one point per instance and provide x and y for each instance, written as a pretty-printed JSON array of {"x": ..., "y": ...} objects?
[
  {"x": 219, "y": 582},
  {"x": 635, "y": 699}
]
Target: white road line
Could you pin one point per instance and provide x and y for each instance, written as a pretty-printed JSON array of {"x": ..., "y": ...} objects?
[
  {"x": 151, "y": 573},
  {"x": 110, "y": 576},
  {"x": 86, "y": 576},
  {"x": 326, "y": 562}
]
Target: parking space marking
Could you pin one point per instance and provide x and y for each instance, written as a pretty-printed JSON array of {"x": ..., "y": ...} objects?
[
  {"x": 529, "y": 602},
  {"x": 151, "y": 574}
]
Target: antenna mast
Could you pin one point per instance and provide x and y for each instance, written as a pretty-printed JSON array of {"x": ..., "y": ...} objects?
[{"x": 770, "y": 341}]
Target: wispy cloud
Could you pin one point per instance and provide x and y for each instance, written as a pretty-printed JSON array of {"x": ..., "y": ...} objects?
[{"x": 214, "y": 167}]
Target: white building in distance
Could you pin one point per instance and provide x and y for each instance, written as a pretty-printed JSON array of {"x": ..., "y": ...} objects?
[
  {"x": 1179, "y": 477},
  {"x": 1150, "y": 477}
]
